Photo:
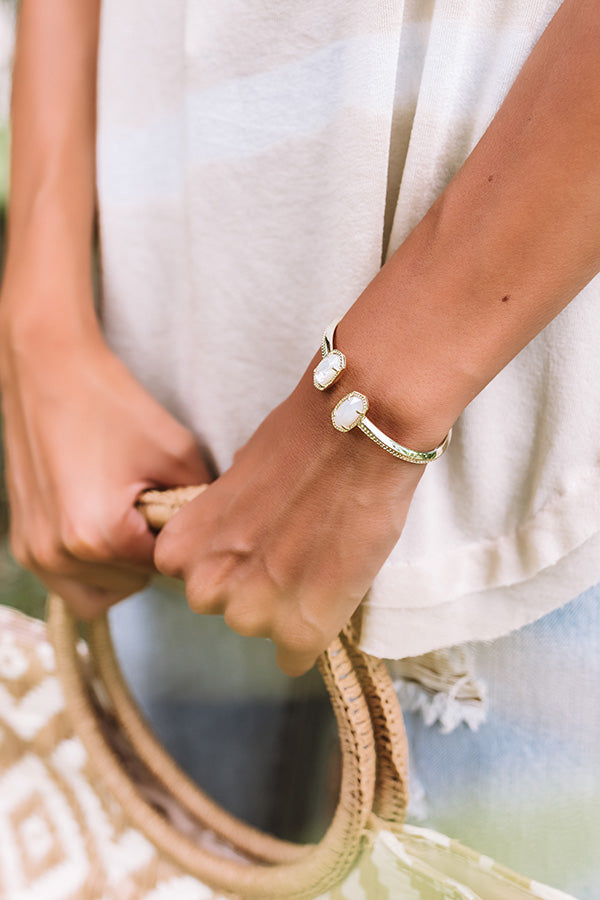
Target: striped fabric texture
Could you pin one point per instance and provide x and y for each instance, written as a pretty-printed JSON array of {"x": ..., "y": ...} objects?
[{"x": 257, "y": 161}]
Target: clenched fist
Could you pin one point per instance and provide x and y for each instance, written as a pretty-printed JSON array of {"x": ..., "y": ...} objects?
[{"x": 287, "y": 541}]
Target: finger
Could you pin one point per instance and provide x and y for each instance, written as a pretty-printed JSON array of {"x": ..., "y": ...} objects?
[
  {"x": 105, "y": 530},
  {"x": 192, "y": 468},
  {"x": 300, "y": 638},
  {"x": 46, "y": 557},
  {"x": 118, "y": 580},
  {"x": 85, "y": 601},
  {"x": 249, "y": 619},
  {"x": 183, "y": 541},
  {"x": 134, "y": 542},
  {"x": 168, "y": 558},
  {"x": 207, "y": 588},
  {"x": 186, "y": 465},
  {"x": 295, "y": 664}
]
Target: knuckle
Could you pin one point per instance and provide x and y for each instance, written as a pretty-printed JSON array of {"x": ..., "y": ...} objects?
[
  {"x": 212, "y": 580},
  {"x": 84, "y": 541},
  {"x": 183, "y": 444},
  {"x": 302, "y": 636},
  {"x": 166, "y": 558},
  {"x": 206, "y": 590},
  {"x": 248, "y": 621},
  {"x": 206, "y": 603},
  {"x": 191, "y": 455},
  {"x": 46, "y": 555},
  {"x": 185, "y": 454},
  {"x": 207, "y": 606},
  {"x": 294, "y": 667}
]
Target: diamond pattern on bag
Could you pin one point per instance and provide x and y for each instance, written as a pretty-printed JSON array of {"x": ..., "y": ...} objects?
[
  {"x": 13, "y": 660},
  {"x": 42, "y": 851},
  {"x": 35, "y": 835},
  {"x": 63, "y": 836},
  {"x": 120, "y": 853},
  {"x": 27, "y": 715}
]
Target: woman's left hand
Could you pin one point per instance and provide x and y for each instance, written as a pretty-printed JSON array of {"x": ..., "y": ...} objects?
[{"x": 286, "y": 542}]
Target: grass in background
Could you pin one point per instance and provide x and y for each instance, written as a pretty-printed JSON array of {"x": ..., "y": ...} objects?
[{"x": 18, "y": 587}]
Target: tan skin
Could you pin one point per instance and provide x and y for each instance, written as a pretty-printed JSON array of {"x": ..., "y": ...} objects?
[
  {"x": 82, "y": 437},
  {"x": 287, "y": 541}
]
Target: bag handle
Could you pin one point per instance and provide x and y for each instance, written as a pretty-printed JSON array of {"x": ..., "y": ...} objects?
[
  {"x": 391, "y": 795},
  {"x": 361, "y": 694}
]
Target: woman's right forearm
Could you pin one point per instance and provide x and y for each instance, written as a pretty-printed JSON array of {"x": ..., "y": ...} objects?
[{"x": 52, "y": 185}]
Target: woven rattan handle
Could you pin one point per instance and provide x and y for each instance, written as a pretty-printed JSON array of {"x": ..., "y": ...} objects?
[
  {"x": 361, "y": 695},
  {"x": 158, "y": 507}
]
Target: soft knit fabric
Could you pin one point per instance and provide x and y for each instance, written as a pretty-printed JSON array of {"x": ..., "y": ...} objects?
[{"x": 256, "y": 163}]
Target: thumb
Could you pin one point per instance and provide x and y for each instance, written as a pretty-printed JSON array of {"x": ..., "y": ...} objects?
[
  {"x": 187, "y": 467},
  {"x": 134, "y": 541}
]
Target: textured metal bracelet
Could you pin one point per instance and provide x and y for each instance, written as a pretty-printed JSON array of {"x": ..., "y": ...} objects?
[{"x": 351, "y": 410}]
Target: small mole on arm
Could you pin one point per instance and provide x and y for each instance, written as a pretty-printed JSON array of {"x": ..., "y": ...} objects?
[
  {"x": 505, "y": 298},
  {"x": 490, "y": 177}
]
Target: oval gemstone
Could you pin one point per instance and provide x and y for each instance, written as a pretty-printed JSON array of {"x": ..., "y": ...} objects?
[
  {"x": 328, "y": 369},
  {"x": 349, "y": 411}
]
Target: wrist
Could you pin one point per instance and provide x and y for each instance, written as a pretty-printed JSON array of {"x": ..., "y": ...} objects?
[
  {"x": 352, "y": 450},
  {"x": 402, "y": 340},
  {"x": 50, "y": 236},
  {"x": 401, "y": 404},
  {"x": 47, "y": 288},
  {"x": 52, "y": 198},
  {"x": 42, "y": 328}
]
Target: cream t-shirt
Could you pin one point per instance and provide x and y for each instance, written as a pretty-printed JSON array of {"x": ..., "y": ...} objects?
[{"x": 256, "y": 163}]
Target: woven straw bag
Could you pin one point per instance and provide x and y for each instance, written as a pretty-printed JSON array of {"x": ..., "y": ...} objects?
[{"x": 93, "y": 808}]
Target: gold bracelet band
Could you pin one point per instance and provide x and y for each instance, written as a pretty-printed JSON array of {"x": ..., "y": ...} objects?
[{"x": 351, "y": 410}]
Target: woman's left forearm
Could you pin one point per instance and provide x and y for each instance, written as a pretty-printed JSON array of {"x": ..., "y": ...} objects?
[
  {"x": 287, "y": 541},
  {"x": 507, "y": 245}
]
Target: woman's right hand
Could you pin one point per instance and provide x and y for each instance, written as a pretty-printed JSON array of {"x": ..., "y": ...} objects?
[
  {"x": 82, "y": 439},
  {"x": 82, "y": 436}
]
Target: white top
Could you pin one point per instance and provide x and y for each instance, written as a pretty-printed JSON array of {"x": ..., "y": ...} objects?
[{"x": 243, "y": 160}]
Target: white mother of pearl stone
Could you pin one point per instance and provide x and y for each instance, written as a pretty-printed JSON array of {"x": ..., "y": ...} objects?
[
  {"x": 349, "y": 411},
  {"x": 328, "y": 370}
]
